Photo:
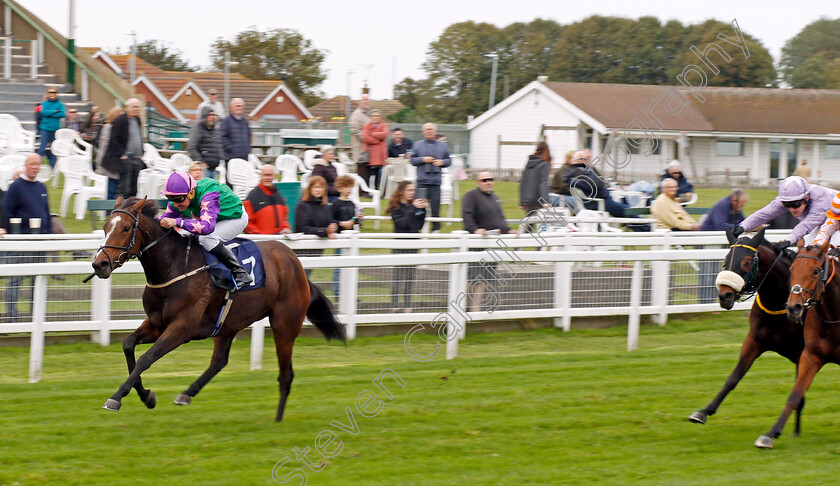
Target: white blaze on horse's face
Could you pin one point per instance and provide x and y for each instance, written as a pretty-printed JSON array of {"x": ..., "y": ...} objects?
[{"x": 109, "y": 230}]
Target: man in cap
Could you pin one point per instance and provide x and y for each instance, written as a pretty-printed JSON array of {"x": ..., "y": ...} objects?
[
  {"x": 211, "y": 102},
  {"x": 685, "y": 191},
  {"x": 806, "y": 202}
]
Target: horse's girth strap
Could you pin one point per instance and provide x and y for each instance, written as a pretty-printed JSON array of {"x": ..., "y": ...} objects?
[{"x": 180, "y": 277}]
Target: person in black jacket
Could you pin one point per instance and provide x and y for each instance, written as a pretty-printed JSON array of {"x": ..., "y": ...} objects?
[
  {"x": 533, "y": 190},
  {"x": 312, "y": 215},
  {"x": 409, "y": 215},
  {"x": 125, "y": 148},
  {"x": 205, "y": 143},
  {"x": 400, "y": 146}
]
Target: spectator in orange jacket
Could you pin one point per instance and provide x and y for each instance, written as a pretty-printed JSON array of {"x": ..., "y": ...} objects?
[
  {"x": 266, "y": 208},
  {"x": 375, "y": 135}
]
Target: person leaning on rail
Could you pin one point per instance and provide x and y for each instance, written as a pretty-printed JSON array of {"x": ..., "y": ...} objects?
[{"x": 806, "y": 202}]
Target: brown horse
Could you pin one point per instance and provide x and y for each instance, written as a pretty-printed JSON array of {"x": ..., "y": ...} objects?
[
  {"x": 757, "y": 268},
  {"x": 815, "y": 290},
  {"x": 182, "y": 305}
]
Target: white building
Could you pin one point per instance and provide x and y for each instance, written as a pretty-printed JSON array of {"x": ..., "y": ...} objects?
[{"x": 708, "y": 129}]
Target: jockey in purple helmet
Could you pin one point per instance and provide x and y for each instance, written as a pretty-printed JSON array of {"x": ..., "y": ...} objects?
[
  {"x": 806, "y": 202},
  {"x": 210, "y": 210}
]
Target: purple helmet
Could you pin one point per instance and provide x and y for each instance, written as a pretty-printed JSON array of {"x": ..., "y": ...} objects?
[
  {"x": 178, "y": 183},
  {"x": 794, "y": 188}
]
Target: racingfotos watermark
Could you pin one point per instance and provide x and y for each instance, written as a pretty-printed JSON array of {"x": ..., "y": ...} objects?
[{"x": 368, "y": 403}]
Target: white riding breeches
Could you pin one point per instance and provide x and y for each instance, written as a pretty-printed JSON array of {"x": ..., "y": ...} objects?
[{"x": 226, "y": 229}]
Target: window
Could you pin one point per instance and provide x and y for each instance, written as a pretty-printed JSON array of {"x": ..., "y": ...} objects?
[
  {"x": 645, "y": 147},
  {"x": 832, "y": 150},
  {"x": 730, "y": 148}
]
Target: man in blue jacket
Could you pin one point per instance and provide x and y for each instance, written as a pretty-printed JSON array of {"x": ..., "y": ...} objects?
[
  {"x": 724, "y": 215},
  {"x": 430, "y": 156},
  {"x": 52, "y": 111}
]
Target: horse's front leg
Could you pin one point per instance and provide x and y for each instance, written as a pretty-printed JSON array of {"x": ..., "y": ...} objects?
[
  {"x": 750, "y": 351},
  {"x": 144, "y": 334},
  {"x": 170, "y": 339},
  {"x": 219, "y": 360},
  {"x": 809, "y": 365}
]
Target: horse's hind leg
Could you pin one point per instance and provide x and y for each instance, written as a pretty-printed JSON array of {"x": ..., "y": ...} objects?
[
  {"x": 164, "y": 344},
  {"x": 797, "y": 429},
  {"x": 750, "y": 351},
  {"x": 221, "y": 351},
  {"x": 144, "y": 334}
]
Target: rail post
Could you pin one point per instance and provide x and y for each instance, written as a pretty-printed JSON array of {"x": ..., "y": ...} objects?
[
  {"x": 635, "y": 302},
  {"x": 100, "y": 311},
  {"x": 36, "y": 339},
  {"x": 349, "y": 281}
]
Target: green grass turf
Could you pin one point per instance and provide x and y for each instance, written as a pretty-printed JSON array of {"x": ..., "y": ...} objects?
[{"x": 528, "y": 407}]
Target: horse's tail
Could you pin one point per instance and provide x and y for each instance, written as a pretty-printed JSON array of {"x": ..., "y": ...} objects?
[{"x": 320, "y": 313}]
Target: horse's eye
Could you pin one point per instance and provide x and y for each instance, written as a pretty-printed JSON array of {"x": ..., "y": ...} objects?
[
  {"x": 816, "y": 272},
  {"x": 126, "y": 228}
]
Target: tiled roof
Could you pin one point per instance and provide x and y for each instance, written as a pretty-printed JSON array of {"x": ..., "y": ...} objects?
[
  {"x": 753, "y": 110},
  {"x": 336, "y": 107}
]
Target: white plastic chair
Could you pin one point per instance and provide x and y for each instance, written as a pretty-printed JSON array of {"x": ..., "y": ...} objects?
[
  {"x": 309, "y": 157},
  {"x": 8, "y": 164},
  {"x": 77, "y": 172},
  {"x": 242, "y": 176},
  {"x": 289, "y": 165},
  {"x": 153, "y": 159},
  {"x": 98, "y": 190},
  {"x": 62, "y": 149},
  {"x": 17, "y": 140},
  {"x": 79, "y": 145},
  {"x": 304, "y": 179},
  {"x": 375, "y": 194},
  {"x": 399, "y": 173},
  {"x": 580, "y": 196},
  {"x": 691, "y": 200},
  {"x": 253, "y": 159},
  {"x": 446, "y": 191},
  {"x": 179, "y": 162}
]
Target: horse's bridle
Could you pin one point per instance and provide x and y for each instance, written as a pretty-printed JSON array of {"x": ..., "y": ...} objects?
[
  {"x": 819, "y": 287},
  {"x": 126, "y": 250},
  {"x": 749, "y": 289}
]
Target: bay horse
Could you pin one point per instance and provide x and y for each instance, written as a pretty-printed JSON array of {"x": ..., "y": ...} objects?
[
  {"x": 814, "y": 301},
  {"x": 751, "y": 266},
  {"x": 182, "y": 305}
]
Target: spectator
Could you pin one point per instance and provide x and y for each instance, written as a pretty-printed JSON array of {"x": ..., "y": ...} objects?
[
  {"x": 668, "y": 211},
  {"x": 125, "y": 148},
  {"x": 104, "y": 138},
  {"x": 72, "y": 121},
  {"x": 212, "y": 103},
  {"x": 196, "y": 169},
  {"x": 267, "y": 211},
  {"x": 409, "y": 216},
  {"x": 205, "y": 143},
  {"x": 482, "y": 213},
  {"x": 808, "y": 203},
  {"x": 312, "y": 215},
  {"x": 558, "y": 185},
  {"x": 685, "y": 191},
  {"x": 374, "y": 135},
  {"x": 343, "y": 213},
  {"x": 26, "y": 199},
  {"x": 92, "y": 125},
  {"x": 52, "y": 111},
  {"x": 726, "y": 213},
  {"x": 358, "y": 120},
  {"x": 533, "y": 190},
  {"x": 442, "y": 139},
  {"x": 325, "y": 168},
  {"x": 803, "y": 170},
  {"x": 430, "y": 157},
  {"x": 236, "y": 132},
  {"x": 583, "y": 177},
  {"x": 400, "y": 146}
]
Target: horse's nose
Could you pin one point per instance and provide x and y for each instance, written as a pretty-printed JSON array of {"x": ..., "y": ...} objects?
[
  {"x": 727, "y": 300},
  {"x": 102, "y": 265},
  {"x": 794, "y": 312}
]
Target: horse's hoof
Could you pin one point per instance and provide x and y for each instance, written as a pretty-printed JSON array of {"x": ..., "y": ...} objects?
[
  {"x": 112, "y": 405},
  {"x": 764, "y": 442},
  {"x": 151, "y": 400},
  {"x": 183, "y": 399},
  {"x": 697, "y": 418}
]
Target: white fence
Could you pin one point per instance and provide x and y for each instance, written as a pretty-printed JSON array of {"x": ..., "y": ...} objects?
[{"x": 557, "y": 275}]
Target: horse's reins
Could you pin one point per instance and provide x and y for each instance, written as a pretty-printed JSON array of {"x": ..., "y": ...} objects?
[
  {"x": 752, "y": 275},
  {"x": 126, "y": 250}
]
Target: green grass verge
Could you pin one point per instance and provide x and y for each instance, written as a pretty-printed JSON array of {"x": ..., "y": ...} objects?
[{"x": 529, "y": 407}]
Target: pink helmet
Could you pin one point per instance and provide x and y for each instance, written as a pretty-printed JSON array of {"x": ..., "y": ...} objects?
[
  {"x": 794, "y": 188},
  {"x": 178, "y": 183}
]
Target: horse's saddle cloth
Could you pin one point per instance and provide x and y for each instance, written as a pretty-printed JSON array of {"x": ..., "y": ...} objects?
[{"x": 248, "y": 254}]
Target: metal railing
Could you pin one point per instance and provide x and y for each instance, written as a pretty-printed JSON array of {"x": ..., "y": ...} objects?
[{"x": 557, "y": 276}]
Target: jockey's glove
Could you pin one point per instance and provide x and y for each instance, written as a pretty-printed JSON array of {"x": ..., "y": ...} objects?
[
  {"x": 835, "y": 252},
  {"x": 780, "y": 246},
  {"x": 737, "y": 230}
]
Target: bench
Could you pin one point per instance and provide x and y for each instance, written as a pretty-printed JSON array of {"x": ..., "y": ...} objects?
[{"x": 107, "y": 205}]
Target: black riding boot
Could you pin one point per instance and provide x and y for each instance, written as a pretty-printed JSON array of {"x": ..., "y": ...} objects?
[{"x": 240, "y": 276}]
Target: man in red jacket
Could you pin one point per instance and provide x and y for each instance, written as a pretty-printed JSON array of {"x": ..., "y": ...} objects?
[{"x": 266, "y": 208}]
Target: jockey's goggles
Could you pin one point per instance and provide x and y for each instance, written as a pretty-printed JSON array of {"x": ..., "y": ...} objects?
[
  {"x": 177, "y": 199},
  {"x": 793, "y": 204}
]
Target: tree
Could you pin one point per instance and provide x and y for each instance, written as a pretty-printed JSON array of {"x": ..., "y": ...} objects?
[
  {"x": 817, "y": 38},
  {"x": 526, "y": 52},
  {"x": 281, "y": 54},
  {"x": 158, "y": 54}
]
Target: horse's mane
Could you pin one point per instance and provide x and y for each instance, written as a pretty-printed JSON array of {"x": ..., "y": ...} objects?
[{"x": 150, "y": 208}]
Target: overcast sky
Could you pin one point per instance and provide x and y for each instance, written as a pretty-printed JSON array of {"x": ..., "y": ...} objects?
[{"x": 392, "y": 37}]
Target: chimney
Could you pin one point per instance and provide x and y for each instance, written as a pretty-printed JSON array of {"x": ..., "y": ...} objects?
[{"x": 542, "y": 79}]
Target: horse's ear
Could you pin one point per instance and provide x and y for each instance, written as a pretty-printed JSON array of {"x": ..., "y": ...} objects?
[
  {"x": 758, "y": 238},
  {"x": 800, "y": 243},
  {"x": 732, "y": 238},
  {"x": 119, "y": 202},
  {"x": 138, "y": 206},
  {"x": 824, "y": 246}
]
